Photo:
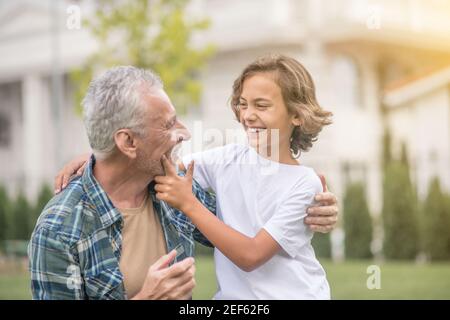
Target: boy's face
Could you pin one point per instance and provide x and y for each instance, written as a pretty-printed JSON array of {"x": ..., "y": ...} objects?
[{"x": 263, "y": 114}]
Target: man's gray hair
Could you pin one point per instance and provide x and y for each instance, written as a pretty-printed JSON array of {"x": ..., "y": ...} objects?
[{"x": 113, "y": 102}]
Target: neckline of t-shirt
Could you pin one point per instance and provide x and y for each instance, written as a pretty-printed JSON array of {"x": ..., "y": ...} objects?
[
  {"x": 131, "y": 211},
  {"x": 260, "y": 157}
]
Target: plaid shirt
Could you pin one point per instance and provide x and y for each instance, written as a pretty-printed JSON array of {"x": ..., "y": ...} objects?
[{"x": 75, "y": 247}]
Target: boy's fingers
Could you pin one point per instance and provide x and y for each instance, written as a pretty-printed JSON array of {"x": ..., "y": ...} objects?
[
  {"x": 161, "y": 196},
  {"x": 161, "y": 179},
  {"x": 81, "y": 170},
  {"x": 66, "y": 178},
  {"x": 169, "y": 168},
  {"x": 161, "y": 188},
  {"x": 190, "y": 170},
  {"x": 58, "y": 183}
]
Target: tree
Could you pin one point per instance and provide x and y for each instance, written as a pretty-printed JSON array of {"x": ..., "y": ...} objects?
[
  {"x": 386, "y": 156},
  {"x": 400, "y": 218},
  {"x": 357, "y": 223},
  {"x": 404, "y": 156},
  {"x": 44, "y": 196},
  {"x": 152, "y": 35},
  {"x": 5, "y": 207},
  {"x": 20, "y": 218},
  {"x": 400, "y": 205},
  {"x": 322, "y": 245},
  {"x": 436, "y": 223}
]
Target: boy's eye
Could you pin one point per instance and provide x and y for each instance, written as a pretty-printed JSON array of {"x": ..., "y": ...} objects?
[
  {"x": 242, "y": 106},
  {"x": 261, "y": 106}
]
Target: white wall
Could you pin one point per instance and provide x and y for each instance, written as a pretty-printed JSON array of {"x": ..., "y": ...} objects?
[
  {"x": 11, "y": 160},
  {"x": 424, "y": 125}
]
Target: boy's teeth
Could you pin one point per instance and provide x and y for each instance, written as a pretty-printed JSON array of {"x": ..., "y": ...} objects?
[{"x": 254, "y": 130}]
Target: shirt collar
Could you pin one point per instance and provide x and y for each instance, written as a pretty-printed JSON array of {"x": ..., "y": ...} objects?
[{"x": 103, "y": 205}]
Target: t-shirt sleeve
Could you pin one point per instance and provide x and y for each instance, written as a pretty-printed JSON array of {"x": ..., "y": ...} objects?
[
  {"x": 287, "y": 225},
  {"x": 207, "y": 166}
]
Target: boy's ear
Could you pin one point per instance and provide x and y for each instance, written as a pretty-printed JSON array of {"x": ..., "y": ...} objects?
[
  {"x": 126, "y": 142},
  {"x": 296, "y": 121}
]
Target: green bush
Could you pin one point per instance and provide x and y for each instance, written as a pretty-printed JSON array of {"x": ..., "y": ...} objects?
[
  {"x": 400, "y": 218},
  {"x": 321, "y": 243},
  {"x": 357, "y": 223},
  {"x": 20, "y": 218},
  {"x": 5, "y": 208},
  {"x": 44, "y": 196},
  {"x": 436, "y": 223}
]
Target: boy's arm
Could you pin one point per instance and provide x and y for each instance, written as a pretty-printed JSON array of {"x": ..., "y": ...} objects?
[
  {"x": 285, "y": 229},
  {"x": 248, "y": 253},
  {"x": 207, "y": 199}
]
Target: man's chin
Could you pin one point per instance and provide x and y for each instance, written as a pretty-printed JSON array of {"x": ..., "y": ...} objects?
[{"x": 174, "y": 155}]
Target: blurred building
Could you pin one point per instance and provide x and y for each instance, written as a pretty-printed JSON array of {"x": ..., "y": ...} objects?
[{"x": 377, "y": 64}]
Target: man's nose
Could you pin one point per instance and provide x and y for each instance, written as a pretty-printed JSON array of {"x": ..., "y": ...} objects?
[{"x": 181, "y": 133}]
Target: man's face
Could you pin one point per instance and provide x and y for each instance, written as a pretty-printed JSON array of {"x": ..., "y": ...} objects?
[{"x": 164, "y": 132}]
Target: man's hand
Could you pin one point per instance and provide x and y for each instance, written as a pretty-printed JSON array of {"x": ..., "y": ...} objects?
[
  {"x": 168, "y": 283},
  {"x": 74, "y": 167},
  {"x": 323, "y": 218}
]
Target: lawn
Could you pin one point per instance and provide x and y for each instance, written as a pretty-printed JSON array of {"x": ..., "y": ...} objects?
[{"x": 399, "y": 280}]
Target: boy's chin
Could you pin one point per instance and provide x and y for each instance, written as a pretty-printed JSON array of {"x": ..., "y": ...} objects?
[{"x": 261, "y": 148}]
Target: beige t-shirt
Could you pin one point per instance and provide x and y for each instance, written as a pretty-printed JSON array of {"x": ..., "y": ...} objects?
[{"x": 143, "y": 243}]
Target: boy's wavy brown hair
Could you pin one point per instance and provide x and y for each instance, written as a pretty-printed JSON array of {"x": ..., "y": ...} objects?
[{"x": 298, "y": 90}]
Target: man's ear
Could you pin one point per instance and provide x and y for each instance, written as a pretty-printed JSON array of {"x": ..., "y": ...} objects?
[{"x": 125, "y": 141}]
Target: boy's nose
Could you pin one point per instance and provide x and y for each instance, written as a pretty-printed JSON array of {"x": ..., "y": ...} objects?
[{"x": 248, "y": 115}]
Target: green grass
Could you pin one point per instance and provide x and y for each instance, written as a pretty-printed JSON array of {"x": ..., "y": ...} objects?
[
  {"x": 15, "y": 286},
  {"x": 399, "y": 280}
]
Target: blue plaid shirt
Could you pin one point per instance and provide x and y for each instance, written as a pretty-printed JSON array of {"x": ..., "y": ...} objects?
[{"x": 75, "y": 248}]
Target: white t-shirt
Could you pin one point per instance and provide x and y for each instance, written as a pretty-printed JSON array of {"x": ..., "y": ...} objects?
[{"x": 253, "y": 193}]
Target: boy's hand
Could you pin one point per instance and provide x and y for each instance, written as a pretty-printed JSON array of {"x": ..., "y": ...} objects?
[
  {"x": 173, "y": 189},
  {"x": 74, "y": 167}
]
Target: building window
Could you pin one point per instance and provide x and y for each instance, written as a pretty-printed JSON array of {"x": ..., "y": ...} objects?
[
  {"x": 5, "y": 131},
  {"x": 346, "y": 83}
]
